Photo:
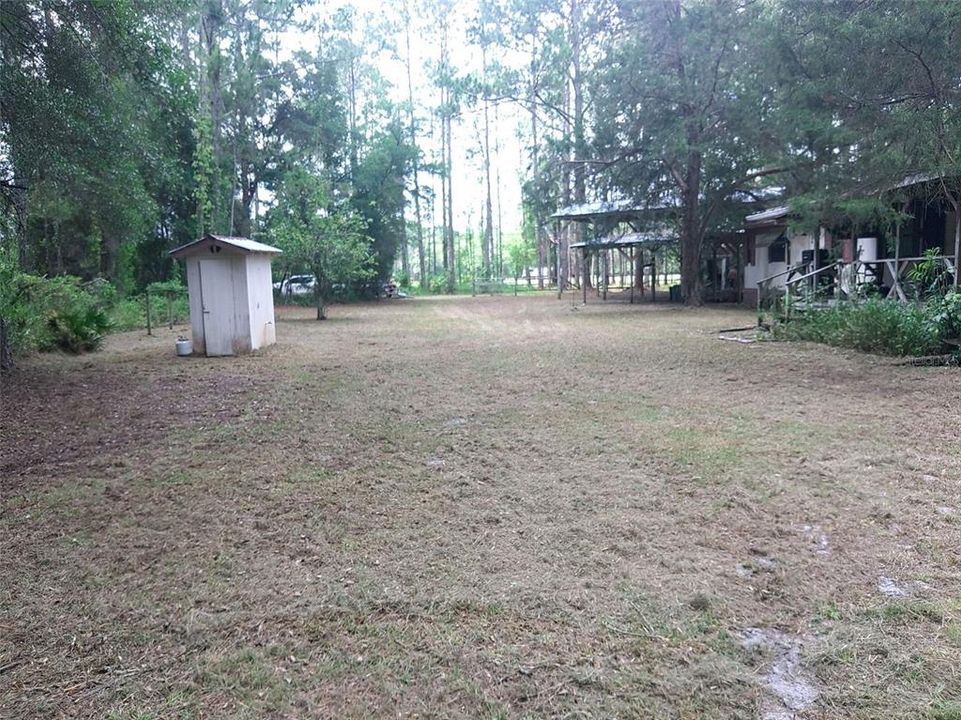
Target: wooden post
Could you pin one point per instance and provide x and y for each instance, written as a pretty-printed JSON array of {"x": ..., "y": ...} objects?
[
  {"x": 605, "y": 254},
  {"x": 814, "y": 267},
  {"x": 147, "y": 296},
  {"x": 897, "y": 260},
  {"x": 638, "y": 271},
  {"x": 714, "y": 270},
  {"x": 632, "y": 272},
  {"x": 653, "y": 277},
  {"x": 739, "y": 290},
  {"x": 760, "y": 294},
  {"x": 586, "y": 270},
  {"x": 956, "y": 205}
]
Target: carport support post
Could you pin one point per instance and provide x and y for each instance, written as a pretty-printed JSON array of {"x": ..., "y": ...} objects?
[
  {"x": 638, "y": 271},
  {"x": 605, "y": 254},
  {"x": 653, "y": 278},
  {"x": 632, "y": 279},
  {"x": 587, "y": 273}
]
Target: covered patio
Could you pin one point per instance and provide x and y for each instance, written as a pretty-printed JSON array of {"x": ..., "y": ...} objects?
[
  {"x": 626, "y": 242},
  {"x": 633, "y": 254}
]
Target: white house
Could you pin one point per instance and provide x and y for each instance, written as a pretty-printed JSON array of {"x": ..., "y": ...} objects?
[
  {"x": 231, "y": 294},
  {"x": 771, "y": 248}
]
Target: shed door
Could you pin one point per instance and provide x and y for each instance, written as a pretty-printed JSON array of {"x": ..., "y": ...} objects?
[{"x": 217, "y": 297}]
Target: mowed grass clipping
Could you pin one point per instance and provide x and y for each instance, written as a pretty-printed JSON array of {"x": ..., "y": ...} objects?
[{"x": 478, "y": 508}]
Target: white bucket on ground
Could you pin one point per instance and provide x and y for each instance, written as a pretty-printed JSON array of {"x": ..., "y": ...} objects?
[{"x": 185, "y": 347}]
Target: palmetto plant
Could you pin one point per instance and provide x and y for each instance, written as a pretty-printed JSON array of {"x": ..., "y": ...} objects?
[{"x": 930, "y": 276}]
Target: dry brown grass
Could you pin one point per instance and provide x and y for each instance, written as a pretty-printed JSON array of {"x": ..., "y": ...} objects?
[{"x": 477, "y": 507}]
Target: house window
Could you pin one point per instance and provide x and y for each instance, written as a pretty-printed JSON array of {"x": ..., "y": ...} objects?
[{"x": 777, "y": 251}]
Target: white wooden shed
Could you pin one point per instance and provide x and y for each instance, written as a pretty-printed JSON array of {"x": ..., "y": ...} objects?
[{"x": 231, "y": 294}]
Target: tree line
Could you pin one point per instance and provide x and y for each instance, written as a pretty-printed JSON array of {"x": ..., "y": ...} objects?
[
  {"x": 128, "y": 128},
  {"x": 696, "y": 106}
]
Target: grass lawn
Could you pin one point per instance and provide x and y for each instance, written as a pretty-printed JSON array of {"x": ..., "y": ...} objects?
[{"x": 481, "y": 508}]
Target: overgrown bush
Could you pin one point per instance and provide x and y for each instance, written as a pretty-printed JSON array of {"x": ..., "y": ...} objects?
[
  {"x": 76, "y": 317},
  {"x": 128, "y": 314},
  {"x": 22, "y": 326},
  {"x": 62, "y": 313},
  {"x": 437, "y": 283},
  {"x": 53, "y": 313},
  {"x": 885, "y": 327},
  {"x": 168, "y": 301}
]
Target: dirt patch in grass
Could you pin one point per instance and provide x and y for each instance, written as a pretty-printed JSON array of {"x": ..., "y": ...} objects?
[{"x": 478, "y": 507}]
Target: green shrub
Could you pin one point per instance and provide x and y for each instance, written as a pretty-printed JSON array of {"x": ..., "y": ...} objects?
[
  {"x": 24, "y": 321},
  {"x": 76, "y": 317},
  {"x": 62, "y": 313},
  {"x": 168, "y": 301},
  {"x": 885, "y": 327},
  {"x": 437, "y": 283},
  {"x": 53, "y": 313},
  {"x": 127, "y": 314},
  {"x": 930, "y": 277}
]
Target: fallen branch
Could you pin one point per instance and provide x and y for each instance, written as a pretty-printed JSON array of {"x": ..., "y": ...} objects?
[{"x": 738, "y": 329}]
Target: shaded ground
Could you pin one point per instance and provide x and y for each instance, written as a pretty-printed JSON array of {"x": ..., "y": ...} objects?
[{"x": 481, "y": 507}]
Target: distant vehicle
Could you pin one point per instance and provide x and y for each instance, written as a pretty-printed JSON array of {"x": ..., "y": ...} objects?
[{"x": 296, "y": 285}]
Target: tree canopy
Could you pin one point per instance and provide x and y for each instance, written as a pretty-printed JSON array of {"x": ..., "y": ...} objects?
[{"x": 128, "y": 128}]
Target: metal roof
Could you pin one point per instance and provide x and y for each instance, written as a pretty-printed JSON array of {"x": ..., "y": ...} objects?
[
  {"x": 245, "y": 245},
  {"x": 596, "y": 209},
  {"x": 651, "y": 239},
  {"x": 775, "y": 213},
  {"x": 667, "y": 203}
]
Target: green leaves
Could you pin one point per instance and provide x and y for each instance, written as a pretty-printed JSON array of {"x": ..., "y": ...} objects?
[{"x": 320, "y": 235}]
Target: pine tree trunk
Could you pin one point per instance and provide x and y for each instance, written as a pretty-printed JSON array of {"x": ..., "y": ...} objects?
[
  {"x": 540, "y": 244},
  {"x": 691, "y": 240},
  {"x": 452, "y": 256},
  {"x": 422, "y": 260},
  {"x": 488, "y": 242},
  {"x": 499, "y": 271},
  {"x": 210, "y": 25}
]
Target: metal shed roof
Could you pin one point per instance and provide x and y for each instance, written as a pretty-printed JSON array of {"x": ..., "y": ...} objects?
[
  {"x": 652, "y": 239},
  {"x": 244, "y": 245},
  {"x": 609, "y": 209}
]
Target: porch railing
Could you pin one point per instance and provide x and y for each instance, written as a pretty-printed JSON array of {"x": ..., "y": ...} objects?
[
  {"x": 804, "y": 288},
  {"x": 771, "y": 296}
]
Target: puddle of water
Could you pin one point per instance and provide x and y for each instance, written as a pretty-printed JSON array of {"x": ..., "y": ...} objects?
[{"x": 791, "y": 687}]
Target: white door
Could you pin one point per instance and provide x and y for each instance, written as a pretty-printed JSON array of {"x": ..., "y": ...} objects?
[{"x": 217, "y": 297}]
